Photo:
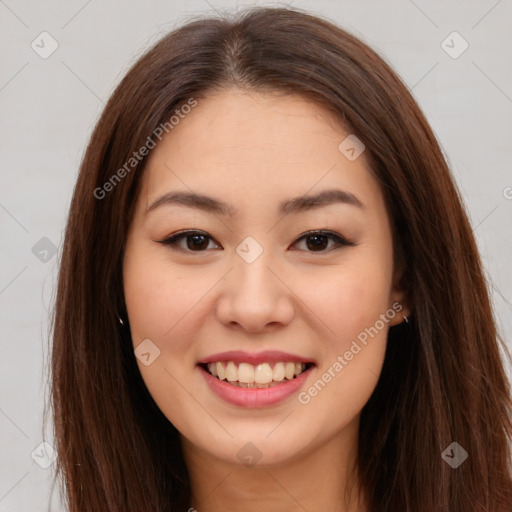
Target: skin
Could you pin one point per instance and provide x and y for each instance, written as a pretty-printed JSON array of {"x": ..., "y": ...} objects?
[{"x": 254, "y": 150}]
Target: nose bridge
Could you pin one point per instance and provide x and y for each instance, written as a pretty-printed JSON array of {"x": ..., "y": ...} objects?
[
  {"x": 254, "y": 296},
  {"x": 252, "y": 274}
]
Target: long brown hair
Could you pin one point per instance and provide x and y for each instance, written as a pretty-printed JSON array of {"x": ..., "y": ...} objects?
[{"x": 443, "y": 380}]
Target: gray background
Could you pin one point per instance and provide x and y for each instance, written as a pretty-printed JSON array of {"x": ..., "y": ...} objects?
[{"x": 49, "y": 107}]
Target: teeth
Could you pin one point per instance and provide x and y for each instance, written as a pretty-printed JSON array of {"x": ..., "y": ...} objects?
[
  {"x": 231, "y": 372},
  {"x": 246, "y": 375},
  {"x": 278, "y": 373},
  {"x": 221, "y": 372},
  {"x": 289, "y": 370},
  {"x": 263, "y": 374},
  {"x": 254, "y": 385}
]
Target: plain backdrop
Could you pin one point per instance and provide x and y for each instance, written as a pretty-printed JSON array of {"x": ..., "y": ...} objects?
[{"x": 50, "y": 103}]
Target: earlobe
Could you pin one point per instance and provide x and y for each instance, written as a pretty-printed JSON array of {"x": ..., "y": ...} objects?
[
  {"x": 400, "y": 300},
  {"x": 401, "y": 315},
  {"x": 400, "y": 304}
]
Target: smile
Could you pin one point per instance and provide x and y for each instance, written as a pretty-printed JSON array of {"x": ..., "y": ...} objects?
[
  {"x": 260, "y": 376},
  {"x": 247, "y": 379}
]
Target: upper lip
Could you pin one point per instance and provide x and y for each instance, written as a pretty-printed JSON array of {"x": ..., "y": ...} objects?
[{"x": 267, "y": 356}]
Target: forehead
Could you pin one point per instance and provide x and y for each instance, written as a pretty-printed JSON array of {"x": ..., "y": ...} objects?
[
  {"x": 253, "y": 145},
  {"x": 234, "y": 121}
]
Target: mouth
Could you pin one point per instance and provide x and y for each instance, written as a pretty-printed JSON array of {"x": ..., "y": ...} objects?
[{"x": 257, "y": 376}]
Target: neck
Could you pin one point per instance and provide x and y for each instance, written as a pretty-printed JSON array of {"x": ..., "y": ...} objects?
[{"x": 321, "y": 479}]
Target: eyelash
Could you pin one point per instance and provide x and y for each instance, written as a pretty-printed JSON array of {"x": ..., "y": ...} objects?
[{"x": 338, "y": 239}]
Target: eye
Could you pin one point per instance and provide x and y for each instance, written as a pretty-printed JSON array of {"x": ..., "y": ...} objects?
[
  {"x": 320, "y": 240},
  {"x": 198, "y": 241}
]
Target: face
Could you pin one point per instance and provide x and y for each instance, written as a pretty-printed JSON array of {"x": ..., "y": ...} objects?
[{"x": 259, "y": 284}]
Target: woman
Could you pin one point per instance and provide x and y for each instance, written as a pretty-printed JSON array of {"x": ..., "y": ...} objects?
[{"x": 270, "y": 296}]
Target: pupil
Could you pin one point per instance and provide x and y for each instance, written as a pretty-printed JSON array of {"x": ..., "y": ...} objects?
[
  {"x": 197, "y": 243},
  {"x": 317, "y": 244}
]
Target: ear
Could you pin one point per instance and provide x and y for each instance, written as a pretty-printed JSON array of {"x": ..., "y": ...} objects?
[{"x": 399, "y": 297}]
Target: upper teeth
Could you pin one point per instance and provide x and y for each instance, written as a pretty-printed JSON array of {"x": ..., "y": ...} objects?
[{"x": 260, "y": 374}]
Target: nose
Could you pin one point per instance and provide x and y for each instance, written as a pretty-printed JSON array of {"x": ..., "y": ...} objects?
[{"x": 255, "y": 296}]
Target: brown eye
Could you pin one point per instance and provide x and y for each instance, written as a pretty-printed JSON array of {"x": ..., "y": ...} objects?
[
  {"x": 196, "y": 241},
  {"x": 318, "y": 241}
]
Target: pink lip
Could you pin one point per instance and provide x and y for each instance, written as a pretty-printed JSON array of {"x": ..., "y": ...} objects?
[
  {"x": 268, "y": 356},
  {"x": 253, "y": 397}
]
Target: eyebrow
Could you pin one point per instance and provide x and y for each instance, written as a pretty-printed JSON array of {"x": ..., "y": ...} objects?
[{"x": 294, "y": 205}]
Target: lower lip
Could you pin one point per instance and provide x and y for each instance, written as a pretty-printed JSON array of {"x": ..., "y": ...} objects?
[{"x": 254, "y": 397}]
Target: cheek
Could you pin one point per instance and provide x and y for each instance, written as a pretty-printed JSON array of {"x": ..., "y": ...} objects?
[
  {"x": 351, "y": 298},
  {"x": 352, "y": 354},
  {"x": 160, "y": 301},
  {"x": 158, "y": 295}
]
